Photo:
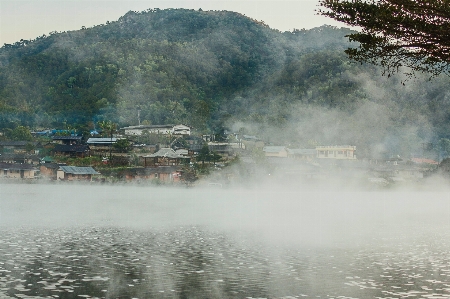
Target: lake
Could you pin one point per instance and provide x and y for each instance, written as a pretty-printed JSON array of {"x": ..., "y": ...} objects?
[{"x": 102, "y": 241}]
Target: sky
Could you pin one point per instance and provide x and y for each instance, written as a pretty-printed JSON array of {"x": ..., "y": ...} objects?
[{"x": 28, "y": 19}]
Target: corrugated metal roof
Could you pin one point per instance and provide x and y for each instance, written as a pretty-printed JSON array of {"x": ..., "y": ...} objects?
[
  {"x": 182, "y": 152},
  {"x": 66, "y": 137},
  {"x": 105, "y": 140},
  {"x": 165, "y": 153},
  {"x": 78, "y": 170},
  {"x": 16, "y": 166},
  {"x": 143, "y": 127},
  {"x": 148, "y": 127}
]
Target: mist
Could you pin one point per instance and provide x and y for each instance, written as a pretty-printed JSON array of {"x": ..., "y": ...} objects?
[
  {"x": 266, "y": 241},
  {"x": 265, "y": 234},
  {"x": 276, "y": 214}
]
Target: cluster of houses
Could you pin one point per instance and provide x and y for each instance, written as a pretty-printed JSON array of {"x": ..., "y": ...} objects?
[
  {"x": 23, "y": 159},
  {"x": 326, "y": 161}
]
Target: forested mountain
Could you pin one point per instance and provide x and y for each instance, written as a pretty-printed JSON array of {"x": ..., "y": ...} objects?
[{"x": 214, "y": 70}]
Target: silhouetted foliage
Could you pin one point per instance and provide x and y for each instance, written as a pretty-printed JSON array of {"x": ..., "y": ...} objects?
[{"x": 396, "y": 33}]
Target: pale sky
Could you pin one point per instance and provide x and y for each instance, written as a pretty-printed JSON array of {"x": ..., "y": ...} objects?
[{"x": 28, "y": 19}]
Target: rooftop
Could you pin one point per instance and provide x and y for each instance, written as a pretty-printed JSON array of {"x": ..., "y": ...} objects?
[
  {"x": 273, "y": 149},
  {"x": 165, "y": 153},
  {"x": 78, "y": 170},
  {"x": 103, "y": 140}
]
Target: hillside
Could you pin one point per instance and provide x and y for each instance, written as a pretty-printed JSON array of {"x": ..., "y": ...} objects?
[{"x": 214, "y": 70}]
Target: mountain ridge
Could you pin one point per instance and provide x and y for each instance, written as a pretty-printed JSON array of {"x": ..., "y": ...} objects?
[{"x": 214, "y": 70}]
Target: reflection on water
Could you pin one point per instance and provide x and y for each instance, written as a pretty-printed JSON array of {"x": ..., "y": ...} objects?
[{"x": 98, "y": 259}]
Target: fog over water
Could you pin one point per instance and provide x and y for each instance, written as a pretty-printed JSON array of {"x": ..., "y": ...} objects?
[{"x": 104, "y": 241}]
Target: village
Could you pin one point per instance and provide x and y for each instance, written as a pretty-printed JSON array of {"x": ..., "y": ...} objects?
[{"x": 174, "y": 154}]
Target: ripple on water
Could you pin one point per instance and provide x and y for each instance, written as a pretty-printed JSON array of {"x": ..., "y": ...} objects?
[{"x": 188, "y": 261}]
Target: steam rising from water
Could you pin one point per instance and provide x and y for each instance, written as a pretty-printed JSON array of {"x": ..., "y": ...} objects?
[
  {"x": 277, "y": 215},
  {"x": 104, "y": 241}
]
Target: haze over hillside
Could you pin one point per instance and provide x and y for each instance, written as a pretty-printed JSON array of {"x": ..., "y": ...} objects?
[{"x": 217, "y": 70}]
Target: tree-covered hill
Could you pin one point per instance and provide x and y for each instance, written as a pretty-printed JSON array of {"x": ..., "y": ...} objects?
[{"x": 217, "y": 69}]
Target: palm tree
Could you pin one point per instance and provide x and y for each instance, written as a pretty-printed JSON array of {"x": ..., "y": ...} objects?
[{"x": 109, "y": 127}]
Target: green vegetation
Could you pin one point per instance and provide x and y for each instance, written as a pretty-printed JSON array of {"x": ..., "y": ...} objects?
[
  {"x": 19, "y": 133},
  {"x": 396, "y": 33},
  {"x": 214, "y": 70}
]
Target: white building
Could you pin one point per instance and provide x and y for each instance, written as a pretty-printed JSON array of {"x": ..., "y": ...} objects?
[
  {"x": 342, "y": 152},
  {"x": 157, "y": 129}
]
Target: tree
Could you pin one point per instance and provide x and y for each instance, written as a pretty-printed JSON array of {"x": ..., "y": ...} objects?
[
  {"x": 29, "y": 147},
  {"x": 122, "y": 145},
  {"x": 214, "y": 157},
  {"x": 19, "y": 133},
  {"x": 109, "y": 128},
  {"x": 396, "y": 33},
  {"x": 204, "y": 154}
]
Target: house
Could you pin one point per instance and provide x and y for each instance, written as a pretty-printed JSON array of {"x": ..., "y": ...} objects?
[
  {"x": 147, "y": 148},
  {"x": 249, "y": 142},
  {"x": 166, "y": 174},
  {"x": 275, "y": 151},
  {"x": 343, "y": 152},
  {"x": 76, "y": 150},
  {"x": 41, "y": 133},
  {"x": 396, "y": 172},
  {"x": 75, "y": 173},
  {"x": 182, "y": 152},
  {"x": 193, "y": 140},
  {"x": 157, "y": 129},
  {"x": 250, "y": 138},
  {"x": 67, "y": 140},
  {"x": 424, "y": 161},
  {"x": 49, "y": 170},
  {"x": 194, "y": 149},
  {"x": 102, "y": 141},
  {"x": 223, "y": 149},
  {"x": 21, "y": 158},
  {"x": 303, "y": 154},
  {"x": 101, "y": 145},
  {"x": 165, "y": 156},
  {"x": 18, "y": 171},
  {"x": 19, "y": 146}
]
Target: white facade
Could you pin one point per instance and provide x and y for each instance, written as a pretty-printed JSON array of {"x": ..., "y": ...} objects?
[
  {"x": 158, "y": 129},
  {"x": 341, "y": 152}
]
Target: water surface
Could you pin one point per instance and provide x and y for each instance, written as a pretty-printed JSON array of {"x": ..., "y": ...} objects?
[{"x": 69, "y": 241}]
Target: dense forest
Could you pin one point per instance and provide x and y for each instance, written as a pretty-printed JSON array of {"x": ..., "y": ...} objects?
[{"x": 217, "y": 70}]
